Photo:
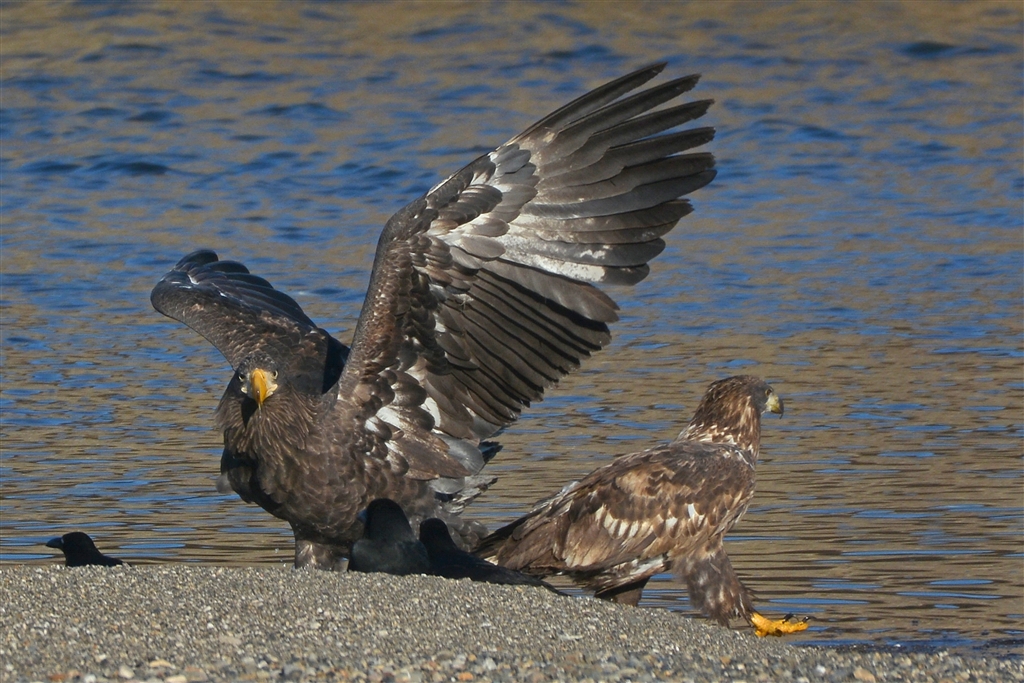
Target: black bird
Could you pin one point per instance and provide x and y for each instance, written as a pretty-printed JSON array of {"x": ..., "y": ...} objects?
[
  {"x": 451, "y": 562},
  {"x": 388, "y": 544},
  {"x": 80, "y": 551},
  {"x": 480, "y": 298},
  {"x": 666, "y": 508}
]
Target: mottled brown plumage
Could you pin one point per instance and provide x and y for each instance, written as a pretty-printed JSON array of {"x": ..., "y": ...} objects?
[
  {"x": 666, "y": 508},
  {"x": 479, "y": 299}
]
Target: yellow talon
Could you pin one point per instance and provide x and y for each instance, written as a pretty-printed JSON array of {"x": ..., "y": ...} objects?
[{"x": 780, "y": 627}]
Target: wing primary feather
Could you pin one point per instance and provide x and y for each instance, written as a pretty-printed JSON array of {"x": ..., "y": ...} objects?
[
  {"x": 593, "y": 100},
  {"x": 605, "y": 146},
  {"x": 573, "y": 136},
  {"x": 632, "y": 177}
]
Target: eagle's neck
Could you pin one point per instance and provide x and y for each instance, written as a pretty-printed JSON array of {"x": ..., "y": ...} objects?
[
  {"x": 275, "y": 431},
  {"x": 737, "y": 423}
]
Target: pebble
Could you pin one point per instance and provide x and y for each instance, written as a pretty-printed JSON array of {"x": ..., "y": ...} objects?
[{"x": 189, "y": 623}]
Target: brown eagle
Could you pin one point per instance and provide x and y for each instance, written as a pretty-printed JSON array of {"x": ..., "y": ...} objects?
[
  {"x": 666, "y": 508},
  {"x": 480, "y": 298}
]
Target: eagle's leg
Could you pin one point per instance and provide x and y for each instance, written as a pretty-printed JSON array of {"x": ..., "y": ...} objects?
[
  {"x": 628, "y": 594},
  {"x": 319, "y": 555},
  {"x": 714, "y": 587},
  {"x": 718, "y": 592}
]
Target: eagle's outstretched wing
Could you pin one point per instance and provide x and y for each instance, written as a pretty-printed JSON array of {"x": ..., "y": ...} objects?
[
  {"x": 242, "y": 315},
  {"x": 480, "y": 296}
]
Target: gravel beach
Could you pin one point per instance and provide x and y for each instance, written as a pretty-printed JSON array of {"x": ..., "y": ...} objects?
[{"x": 180, "y": 623}]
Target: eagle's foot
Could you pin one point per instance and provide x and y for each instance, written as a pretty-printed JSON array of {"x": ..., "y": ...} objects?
[{"x": 779, "y": 627}]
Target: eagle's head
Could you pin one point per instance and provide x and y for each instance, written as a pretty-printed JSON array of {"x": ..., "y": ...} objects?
[
  {"x": 730, "y": 412},
  {"x": 257, "y": 375}
]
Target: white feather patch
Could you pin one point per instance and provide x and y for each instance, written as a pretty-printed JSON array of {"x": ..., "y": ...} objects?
[
  {"x": 430, "y": 405},
  {"x": 373, "y": 426}
]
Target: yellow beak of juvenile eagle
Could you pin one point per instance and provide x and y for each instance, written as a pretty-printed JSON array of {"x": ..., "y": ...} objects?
[
  {"x": 774, "y": 404},
  {"x": 261, "y": 385}
]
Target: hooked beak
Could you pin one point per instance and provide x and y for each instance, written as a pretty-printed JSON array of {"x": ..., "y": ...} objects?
[
  {"x": 775, "y": 404},
  {"x": 261, "y": 386}
]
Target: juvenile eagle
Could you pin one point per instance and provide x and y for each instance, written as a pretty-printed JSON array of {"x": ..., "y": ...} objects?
[
  {"x": 666, "y": 508},
  {"x": 479, "y": 299}
]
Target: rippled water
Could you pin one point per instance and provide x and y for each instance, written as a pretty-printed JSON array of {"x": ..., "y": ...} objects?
[{"x": 861, "y": 248}]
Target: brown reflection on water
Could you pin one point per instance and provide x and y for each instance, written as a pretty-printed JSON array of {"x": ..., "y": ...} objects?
[{"x": 889, "y": 499}]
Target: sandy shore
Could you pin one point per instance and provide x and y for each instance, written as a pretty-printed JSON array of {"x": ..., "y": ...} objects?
[{"x": 179, "y": 623}]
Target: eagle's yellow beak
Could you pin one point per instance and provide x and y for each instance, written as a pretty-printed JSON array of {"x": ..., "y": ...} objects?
[
  {"x": 774, "y": 403},
  {"x": 261, "y": 385}
]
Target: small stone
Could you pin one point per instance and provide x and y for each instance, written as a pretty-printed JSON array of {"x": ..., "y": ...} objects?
[
  {"x": 161, "y": 664},
  {"x": 177, "y": 678},
  {"x": 862, "y": 674},
  {"x": 195, "y": 675},
  {"x": 125, "y": 673}
]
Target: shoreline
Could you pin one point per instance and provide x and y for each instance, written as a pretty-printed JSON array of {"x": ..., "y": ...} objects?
[{"x": 182, "y": 623}]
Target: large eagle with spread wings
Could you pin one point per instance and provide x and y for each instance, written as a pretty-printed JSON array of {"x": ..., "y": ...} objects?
[
  {"x": 665, "y": 508},
  {"x": 480, "y": 298}
]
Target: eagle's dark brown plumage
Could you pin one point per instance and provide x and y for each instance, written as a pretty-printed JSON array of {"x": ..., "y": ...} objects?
[
  {"x": 666, "y": 508},
  {"x": 478, "y": 301}
]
